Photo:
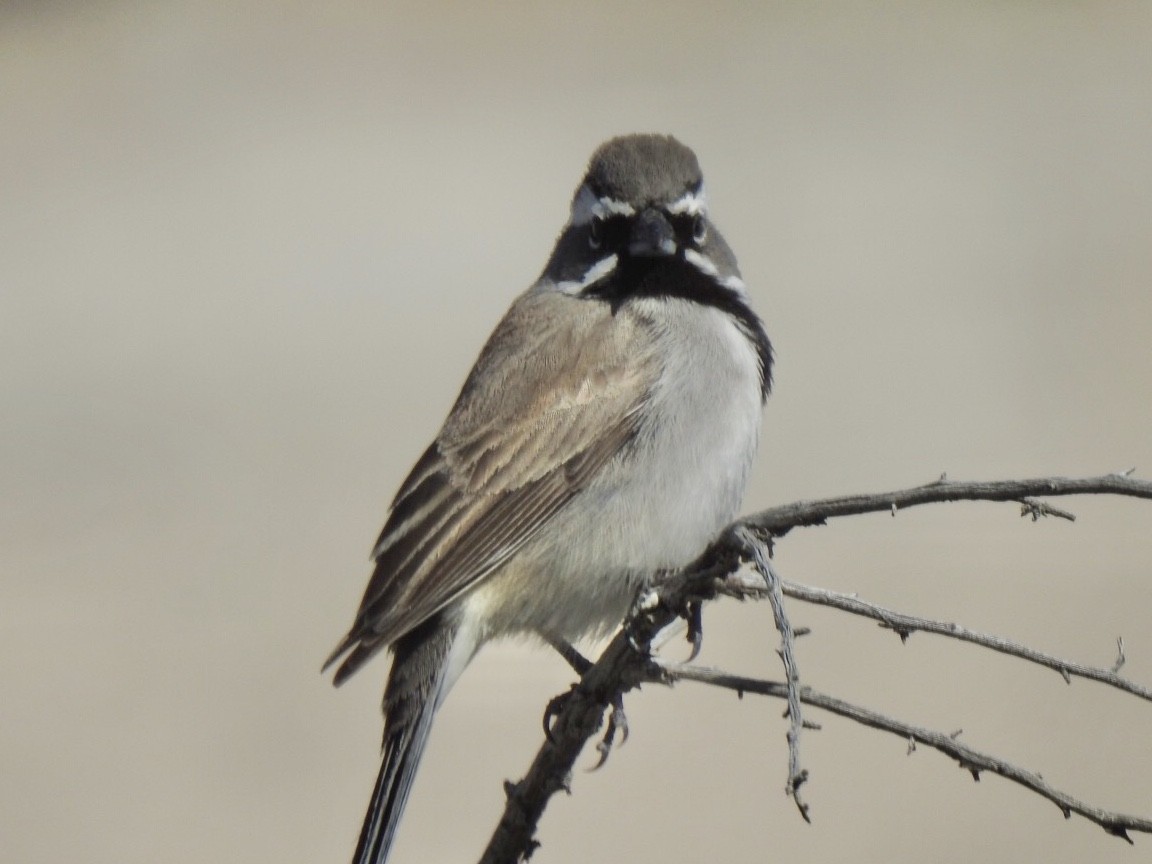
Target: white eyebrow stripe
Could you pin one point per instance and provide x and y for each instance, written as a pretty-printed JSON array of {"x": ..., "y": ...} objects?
[
  {"x": 616, "y": 208},
  {"x": 689, "y": 204},
  {"x": 595, "y": 273},
  {"x": 587, "y": 206}
]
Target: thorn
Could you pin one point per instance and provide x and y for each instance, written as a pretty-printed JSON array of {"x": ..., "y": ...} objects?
[
  {"x": 975, "y": 772},
  {"x": 510, "y": 788},
  {"x": 1064, "y": 673},
  {"x": 811, "y": 724},
  {"x": 1120, "y": 658},
  {"x": 893, "y": 509},
  {"x": 1119, "y": 831},
  {"x": 1067, "y": 811},
  {"x": 1128, "y": 472},
  {"x": 911, "y": 745},
  {"x": 956, "y": 734},
  {"x": 801, "y": 631},
  {"x": 902, "y": 632}
]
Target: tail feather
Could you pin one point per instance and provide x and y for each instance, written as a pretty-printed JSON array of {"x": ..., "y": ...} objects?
[
  {"x": 402, "y": 754},
  {"x": 421, "y": 673}
]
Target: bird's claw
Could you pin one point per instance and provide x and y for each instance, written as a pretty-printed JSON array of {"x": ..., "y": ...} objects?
[
  {"x": 617, "y": 724},
  {"x": 695, "y": 629},
  {"x": 552, "y": 711}
]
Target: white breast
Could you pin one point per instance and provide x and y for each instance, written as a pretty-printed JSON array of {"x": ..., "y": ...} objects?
[
  {"x": 703, "y": 432},
  {"x": 659, "y": 503}
]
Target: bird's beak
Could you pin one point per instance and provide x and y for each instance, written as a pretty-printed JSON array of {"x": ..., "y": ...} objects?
[{"x": 652, "y": 235}]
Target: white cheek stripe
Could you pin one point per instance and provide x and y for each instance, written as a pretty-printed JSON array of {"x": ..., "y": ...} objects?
[
  {"x": 701, "y": 263},
  {"x": 705, "y": 266},
  {"x": 595, "y": 273},
  {"x": 736, "y": 284}
]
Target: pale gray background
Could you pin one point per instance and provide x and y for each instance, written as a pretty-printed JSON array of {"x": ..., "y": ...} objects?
[{"x": 248, "y": 253}]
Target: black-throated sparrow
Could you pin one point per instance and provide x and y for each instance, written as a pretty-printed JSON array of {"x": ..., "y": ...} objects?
[{"x": 605, "y": 433}]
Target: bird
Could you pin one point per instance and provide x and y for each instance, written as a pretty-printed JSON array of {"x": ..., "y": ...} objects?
[{"x": 604, "y": 436}]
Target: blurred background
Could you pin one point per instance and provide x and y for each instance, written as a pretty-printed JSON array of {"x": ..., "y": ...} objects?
[{"x": 250, "y": 252}]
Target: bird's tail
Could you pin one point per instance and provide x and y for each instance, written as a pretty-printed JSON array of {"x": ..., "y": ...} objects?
[
  {"x": 397, "y": 770},
  {"x": 419, "y": 678}
]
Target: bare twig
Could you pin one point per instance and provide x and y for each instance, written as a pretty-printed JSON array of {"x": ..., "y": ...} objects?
[
  {"x": 796, "y": 775},
  {"x": 905, "y": 625},
  {"x": 777, "y": 521},
  {"x": 974, "y": 761},
  {"x": 1120, "y": 658}
]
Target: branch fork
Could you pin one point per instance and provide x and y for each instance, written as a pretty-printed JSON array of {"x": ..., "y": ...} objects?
[{"x": 720, "y": 570}]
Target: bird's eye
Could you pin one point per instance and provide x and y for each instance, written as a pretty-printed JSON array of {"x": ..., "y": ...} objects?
[
  {"x": 596, "y": 232},
  {"x": 699, "y": 228}
]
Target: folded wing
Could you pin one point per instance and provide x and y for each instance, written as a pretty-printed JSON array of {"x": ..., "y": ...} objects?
[{"x": 555, "y": 394}]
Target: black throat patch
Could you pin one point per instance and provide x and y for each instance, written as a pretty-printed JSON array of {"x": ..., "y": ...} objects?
[{"x": 673, "y": 276}]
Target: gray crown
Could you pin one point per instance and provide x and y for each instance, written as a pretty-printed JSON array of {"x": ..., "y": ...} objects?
[{"x": 643, "y": 169}]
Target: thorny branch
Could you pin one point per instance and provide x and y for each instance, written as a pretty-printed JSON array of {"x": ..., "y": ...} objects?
[
  {"x": 778, "y": 521},
  {"x": 905, "y": 625},
  {"x": 973, "y": 761},
  {"x": 787, "y": 652},
  {"x": 626, "y": 662}
]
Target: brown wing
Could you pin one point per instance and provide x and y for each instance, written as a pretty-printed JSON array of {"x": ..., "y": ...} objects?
[{"x": 555, "y": 394}]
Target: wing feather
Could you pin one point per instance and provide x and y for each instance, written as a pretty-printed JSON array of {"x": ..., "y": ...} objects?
[{"x": 555, "y": 394}]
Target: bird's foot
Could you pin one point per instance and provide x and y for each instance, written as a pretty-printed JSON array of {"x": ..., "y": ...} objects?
[{"x": 617, "y": 721}]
